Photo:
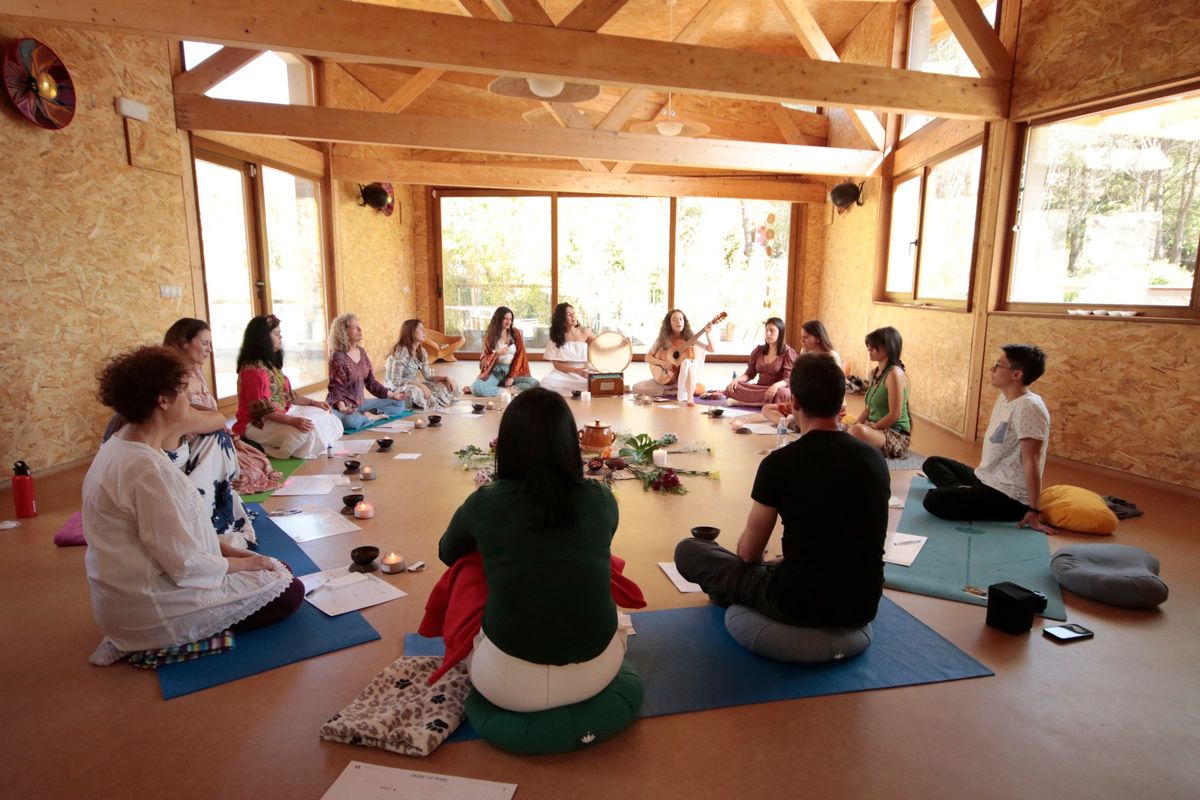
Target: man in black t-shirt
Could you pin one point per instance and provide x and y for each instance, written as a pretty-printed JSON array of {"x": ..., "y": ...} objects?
[{"x": 831, "y": 491}]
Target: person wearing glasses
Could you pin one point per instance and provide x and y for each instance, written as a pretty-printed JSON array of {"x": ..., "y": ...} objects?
[
  {"x": 285, "y": 423},
  {"x": 1008, "y": 481}
]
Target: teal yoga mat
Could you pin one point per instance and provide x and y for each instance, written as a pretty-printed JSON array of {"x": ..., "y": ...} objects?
[
  {"x": 305, "y": 634},
  {"x": 690, "y": 663},
  {"x": 961, "y": 554},
  {"x": 377, "y": 423}
]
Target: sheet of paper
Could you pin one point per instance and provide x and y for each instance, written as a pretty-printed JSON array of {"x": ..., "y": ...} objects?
[
  {"x": 316, "y": 524},
  {"x": 307, "y": 484},
  {"x": 763, "y": 428},
  {"x": 677, "y": 579},
  {"x": 903, "y": 548},
  {"x": 736, "y": 412},
  {"x": 625, "y": 623},
  {"x": 397, "y": 426},
  {"x": 360, "y": 781},
  {"x": 353, "y": 447},
  {"x": 895, "y": 502},
  {"x": 345, "y": 591},
  {"x": 665, "y": 406},
  {"x": 407, "y": 456}
]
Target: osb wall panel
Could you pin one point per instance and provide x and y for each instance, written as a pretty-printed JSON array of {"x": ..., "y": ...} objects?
[
  {"x": 423, "y": 254},
  {"x": 849, "y": 273},
  {"x": 1070, "y": 52},
  {"x": 869, "y": 43},
  {"x": 814, "y": 258},
  {"x": 1122, "y": 395},
  {"x": 89, "y": 241},
  {"x": 374, "y": 263},
  {"x": 937, "y": 354}
]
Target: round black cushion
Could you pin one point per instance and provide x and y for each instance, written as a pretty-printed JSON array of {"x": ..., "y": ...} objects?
[
  {"x": 760, "y": 634},
  {"x": 563, "y": 729},
  {"x": 1114, "y": 574}
]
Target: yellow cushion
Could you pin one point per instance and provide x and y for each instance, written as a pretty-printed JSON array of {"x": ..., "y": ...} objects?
[{"x": 1076, "y": 509}]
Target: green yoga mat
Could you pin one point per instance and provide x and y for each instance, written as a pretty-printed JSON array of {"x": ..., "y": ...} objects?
[
  {"x": 961, "y": 554},
  {"x": 285, "y": 465}
]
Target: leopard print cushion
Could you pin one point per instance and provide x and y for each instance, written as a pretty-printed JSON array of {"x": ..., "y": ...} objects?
[{"x": 399, "y": 712}]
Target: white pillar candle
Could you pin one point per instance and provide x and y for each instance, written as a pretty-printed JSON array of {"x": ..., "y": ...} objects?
[
  {"x": 392, "y": 562},
  {"x": 368, "y": 473},
  {"x": 364, "y": 510},
  {"x": 585, "y": 396},
  {"x": 660, "y": 458}
]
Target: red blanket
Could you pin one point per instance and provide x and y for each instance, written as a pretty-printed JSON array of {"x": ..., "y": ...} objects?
[{"x": 454, "y": 610}]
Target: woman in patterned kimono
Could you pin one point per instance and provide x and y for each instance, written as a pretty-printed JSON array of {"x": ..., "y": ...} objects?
[
  {"x": 408, "y": 371},
  {"x": 503, "y": 365},
  {"x": 286, "y": 424},
  {"x": 212, "y": 459}
]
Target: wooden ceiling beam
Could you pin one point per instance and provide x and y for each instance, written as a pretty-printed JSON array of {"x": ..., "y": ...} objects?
[
  {"x": 592, "y": 15},
  {"x": 348, "y": 31},
  {"x": 198, "y": 113},
  {"x": 403, "y": 97},
  {"x": 424, "y": 173},
  {"x": 977, "y": 37},
  {"x": 476, "y": 8},
  {"x": 817, "y": 45},
  {"x": 214, "y": 69}
]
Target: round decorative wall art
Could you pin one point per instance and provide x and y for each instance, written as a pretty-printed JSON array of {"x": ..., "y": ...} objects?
[{"x": 38, "y": 84}]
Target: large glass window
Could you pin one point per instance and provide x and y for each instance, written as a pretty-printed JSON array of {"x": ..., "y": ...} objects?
[
  {"x": 496, "y": 251},
  {"x": 933, "y": 47},
  {"x": 613, "y": 262},
  {"x": 272, "y": 77},
  {"x": 221, "y": 193},
  {"x": 1110, "y": 208},
  {"x": 732, "y": 256},
  {"x": 296, "y": 271},
  {"x": 942, "y": 199}
]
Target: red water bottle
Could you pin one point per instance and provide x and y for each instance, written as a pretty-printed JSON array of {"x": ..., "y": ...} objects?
[{"x": 22, "y": 489}]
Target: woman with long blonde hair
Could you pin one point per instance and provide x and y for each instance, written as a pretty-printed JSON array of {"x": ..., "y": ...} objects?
[
  {"x": 351, "y": 375},
  {"x": 409, "y": 374}
]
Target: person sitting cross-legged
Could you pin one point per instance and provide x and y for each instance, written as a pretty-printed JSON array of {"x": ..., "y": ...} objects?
[
  {"x": 1008, "y": 482},
  {"x": 831, "y": 490}
]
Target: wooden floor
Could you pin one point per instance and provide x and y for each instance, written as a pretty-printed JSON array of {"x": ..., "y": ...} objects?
[{"x": 1118, "y": 716}]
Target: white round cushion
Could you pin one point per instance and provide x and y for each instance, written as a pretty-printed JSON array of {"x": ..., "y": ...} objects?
[{"x": 760, "y": 634}]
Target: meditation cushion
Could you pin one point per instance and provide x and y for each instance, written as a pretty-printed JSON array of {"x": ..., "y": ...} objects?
[
  {"x": 563, "y": 729},
  {"x": 1077, "y": 509},
  {"x": 1115, "y": 574},
  {"x": 760, "y": 634}
]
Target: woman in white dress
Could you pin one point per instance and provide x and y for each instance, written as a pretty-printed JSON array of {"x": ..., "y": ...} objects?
[
  {"x": 158, "y": 574},
  {"x": 681, "y": 378},
  {"x": 410, "y": 376},
  {"x": 567, "y": 350}
]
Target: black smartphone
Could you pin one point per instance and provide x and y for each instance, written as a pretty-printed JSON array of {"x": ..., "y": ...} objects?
[{"x": 1067, "y": 633}]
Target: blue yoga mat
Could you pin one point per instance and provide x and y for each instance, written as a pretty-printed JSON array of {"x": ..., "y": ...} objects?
[
  {"x": 377, "y": 423},
  {"x": 690, "y": 663},
  {"x": 307, "y": 633},
  {"x": 998, "y": 551}
]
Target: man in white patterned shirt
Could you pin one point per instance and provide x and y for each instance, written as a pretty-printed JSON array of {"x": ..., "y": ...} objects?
[{"x": 1008, "y": 482}]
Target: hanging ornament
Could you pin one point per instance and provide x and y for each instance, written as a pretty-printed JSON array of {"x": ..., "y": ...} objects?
[{"x": 38, "y": 84}]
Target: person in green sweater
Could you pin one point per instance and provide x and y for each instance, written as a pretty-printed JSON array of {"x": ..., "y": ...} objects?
[
  {"x": 885, "y": 422},
  {"x": 549, "y": 635}
]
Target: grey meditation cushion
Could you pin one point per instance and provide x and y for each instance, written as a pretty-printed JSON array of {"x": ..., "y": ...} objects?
[
  {"x": 1115, "y": 574},
  {"x": 760, "y": 634}
]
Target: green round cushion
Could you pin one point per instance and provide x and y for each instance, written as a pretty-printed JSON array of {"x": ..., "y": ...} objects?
[
  {"x": 760, "y": 634},
  {"x": 562, "y": 729}
]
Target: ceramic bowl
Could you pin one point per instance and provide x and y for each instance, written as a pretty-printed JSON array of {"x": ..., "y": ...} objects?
[
  {"x": 706, "y": 532},
  {"x": 716, "y": 412},
  {"x": 477, "y": 407},
  {"x": 615, "y": 464},
  {"x": 595, "y": 464},
  {"x": 352, "y": 465},
  {"x": 435, "y": 420},
  {"x": 385, "y": 443},
  {"x": 364, "y": 558},
  {"x": 576, "y": 393},
  {"x": 351, "y": 500}
]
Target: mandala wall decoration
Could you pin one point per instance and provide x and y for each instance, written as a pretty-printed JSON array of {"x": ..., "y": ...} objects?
[{"x": 38, "y": 84}]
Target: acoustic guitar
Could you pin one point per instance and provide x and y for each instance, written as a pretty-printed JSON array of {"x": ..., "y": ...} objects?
[{"x": 680, "y": 349}]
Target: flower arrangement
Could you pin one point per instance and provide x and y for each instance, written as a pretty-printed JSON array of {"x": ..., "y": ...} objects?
[
  {"x": 483, "y": 461},
  {"x": 638, "y": 449}
]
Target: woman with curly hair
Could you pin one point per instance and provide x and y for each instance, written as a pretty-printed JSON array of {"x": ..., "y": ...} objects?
[
  {"x": 286, "y": 424},
  {"x": 567, "y": 351},
  {"x": 409, "y": 374},
  {"x": 350, "y": 375},
  {"x": 158, "y": 574},
  {"x": 682, "y": 376},
  {"x": 503, "y": 364}
]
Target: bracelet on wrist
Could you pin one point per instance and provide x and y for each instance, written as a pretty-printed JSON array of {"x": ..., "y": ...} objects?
[{"x": 1034, "y": 510}]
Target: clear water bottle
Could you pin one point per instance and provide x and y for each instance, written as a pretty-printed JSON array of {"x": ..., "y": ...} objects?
[
  {"x": 329, "y": 450},
  {"x": 781, "y": 433}
]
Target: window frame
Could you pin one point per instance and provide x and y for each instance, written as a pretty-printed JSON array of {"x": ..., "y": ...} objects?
[
  {"x": 1146, "y": 313},
  {"x": 923, "y": 170},
  {"x": 436, "y": 270}
]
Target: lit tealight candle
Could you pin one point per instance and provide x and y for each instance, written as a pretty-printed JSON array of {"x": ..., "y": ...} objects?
[
  {"x": 392, "y": 562},
  {"x": 419, "y": 423},
  {"x": 491, "y": 405},
  {"x": 660, "y": 458},
  {"x": 368, "y": 473},
  {"x": 364, "y": 510}
]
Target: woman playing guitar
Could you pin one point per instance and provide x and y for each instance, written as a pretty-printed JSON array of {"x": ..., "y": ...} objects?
[{"x": 672, "y": 357}]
